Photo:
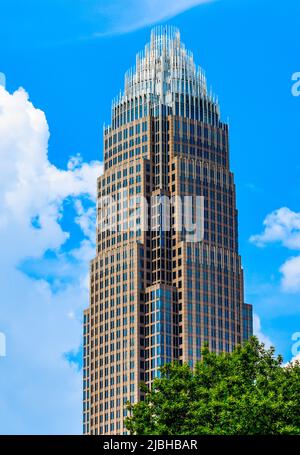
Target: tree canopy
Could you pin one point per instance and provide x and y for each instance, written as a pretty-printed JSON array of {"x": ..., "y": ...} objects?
[{"x": 246, "y": 392}]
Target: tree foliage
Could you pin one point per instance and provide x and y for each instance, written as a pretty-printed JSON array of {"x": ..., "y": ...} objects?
[{"x": 246, "y": 392}]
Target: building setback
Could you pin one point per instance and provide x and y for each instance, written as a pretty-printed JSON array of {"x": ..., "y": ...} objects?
[{"x": 158, "y": 294}]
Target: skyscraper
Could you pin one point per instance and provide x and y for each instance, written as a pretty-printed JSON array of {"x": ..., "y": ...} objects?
[{"x": 160, "y": 287}]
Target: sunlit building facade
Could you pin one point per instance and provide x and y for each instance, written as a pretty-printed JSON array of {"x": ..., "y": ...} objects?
[{"x": 158, "y": 294}]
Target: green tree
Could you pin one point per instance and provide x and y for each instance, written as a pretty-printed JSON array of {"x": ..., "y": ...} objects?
[{"x": 248, "y": 391}]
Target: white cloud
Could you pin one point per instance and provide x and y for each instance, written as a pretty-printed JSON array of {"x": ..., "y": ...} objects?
[
  {"x": 141, "y": 13},
  {"x": 40, "y": 392},
  {"x": 291, "y": 274},
  {"x": 282, "y": 225},
  {"x": 257, "y": 330},
  {"x": 295, "y": 359},
  {"x": 2, "y": 79}
]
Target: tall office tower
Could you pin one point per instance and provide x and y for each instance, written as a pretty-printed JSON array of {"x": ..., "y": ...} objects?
[{"x": 157, "y": 292}]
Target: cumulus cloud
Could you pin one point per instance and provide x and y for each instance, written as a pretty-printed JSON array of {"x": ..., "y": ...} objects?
[
  {"x": 43, "y": 282},
  {"x": 2, "y": 79},
  {"x": 283, "y": 226},
  {"x": 295, "y": 349},
  {"x": 295, "y": 359},
  {"x": 257, "y": 330},
  {"x": 291, "y": 274}
]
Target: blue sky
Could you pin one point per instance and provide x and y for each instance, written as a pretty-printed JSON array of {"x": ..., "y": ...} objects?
[{"x": 70, "y": 58}]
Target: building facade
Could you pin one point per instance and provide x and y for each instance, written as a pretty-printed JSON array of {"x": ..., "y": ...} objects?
[{"x": 167, "y": 276}]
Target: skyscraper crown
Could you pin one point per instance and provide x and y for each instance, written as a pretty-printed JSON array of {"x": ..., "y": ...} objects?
[
  {"x": 164, "y": 73},
  {"x": 164, "y": 67}
]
